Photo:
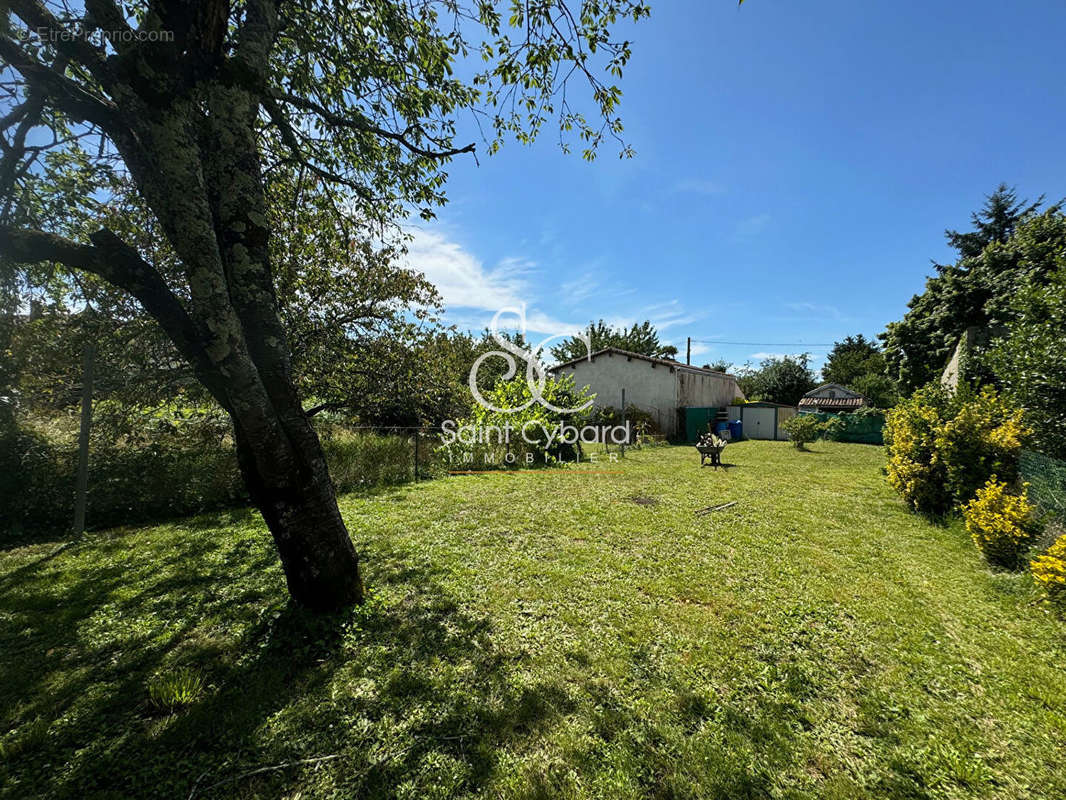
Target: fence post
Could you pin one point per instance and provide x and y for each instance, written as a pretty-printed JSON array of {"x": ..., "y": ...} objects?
[
  {"x": 417, "y": 434},
  {"x": 81, "y": 489}
]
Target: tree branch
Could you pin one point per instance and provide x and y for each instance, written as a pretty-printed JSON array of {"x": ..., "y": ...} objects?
[
  {"x": 360, "y": 124},
  {"x": 70, "y": 98},
  {"x": 76, "y": 48},
  {"x": 120, "y": 265}
]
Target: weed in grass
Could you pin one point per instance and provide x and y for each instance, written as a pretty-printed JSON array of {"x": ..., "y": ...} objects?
[{"x": 174, "y": 689}]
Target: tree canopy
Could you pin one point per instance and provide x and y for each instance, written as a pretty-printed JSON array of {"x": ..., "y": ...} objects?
[
  {"x": 190, "y": 115},
  {"x": 858, "y": 364},
  {"x": 1030, "y": 361},
  {"x": 778, "y": 379},
  {"x": 973, "y": 291},
  {"x": 640, "y": 338}
]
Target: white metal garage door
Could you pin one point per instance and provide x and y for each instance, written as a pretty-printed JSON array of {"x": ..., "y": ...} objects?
[{"x": 759, "y": 423}]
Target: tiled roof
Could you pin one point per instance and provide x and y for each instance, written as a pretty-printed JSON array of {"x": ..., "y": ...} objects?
[
  {"x": 666, "y": 362},
  {"x": 832, "y": 402}
]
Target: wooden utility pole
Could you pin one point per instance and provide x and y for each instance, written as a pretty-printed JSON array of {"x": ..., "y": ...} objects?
[
  {"x": 82, "y": 486},
  {"x": 688, "y": 352}
]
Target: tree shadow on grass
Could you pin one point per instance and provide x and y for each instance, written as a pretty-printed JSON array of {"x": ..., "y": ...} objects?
[{"x": 410, "y": 690}]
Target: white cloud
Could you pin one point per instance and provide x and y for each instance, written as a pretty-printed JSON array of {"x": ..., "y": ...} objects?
[
  {"x": 462, "y": 280},
  {"x": 473, "y": 292},
  {"x": 468, "y": 286}
]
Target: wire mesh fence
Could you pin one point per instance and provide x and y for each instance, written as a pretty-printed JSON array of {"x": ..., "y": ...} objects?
[
  {"x": 178, "y": 472},
  {"x": 1046, "y": 477}
]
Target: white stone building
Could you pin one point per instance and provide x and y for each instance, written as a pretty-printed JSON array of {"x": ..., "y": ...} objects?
[{"x": 659, "y": 386}]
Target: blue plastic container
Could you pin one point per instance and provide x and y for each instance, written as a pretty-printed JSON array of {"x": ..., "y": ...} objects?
[{"x": 736, "y": 429}]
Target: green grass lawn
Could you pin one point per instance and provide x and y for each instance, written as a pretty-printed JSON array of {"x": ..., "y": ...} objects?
[{"x": 544, "y": 634}]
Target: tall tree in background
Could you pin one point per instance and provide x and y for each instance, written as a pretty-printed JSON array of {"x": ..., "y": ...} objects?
[
  {"x": 1029, "y": 363},
  {"x": 974, "y": 291},
  {"x": 721, "y": 365},
  {"x": 639, "y": 338},
  {"x": 783, "y": 379},
  {"x": 198, "y": 105},
  {"x": 858, "y": 363}
]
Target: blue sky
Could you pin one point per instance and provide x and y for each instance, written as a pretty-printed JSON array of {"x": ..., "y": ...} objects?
[{"x": 797, "y": 163}]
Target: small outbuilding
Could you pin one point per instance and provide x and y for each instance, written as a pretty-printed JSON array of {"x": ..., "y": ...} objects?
[
  {"x": 658, "y": 386},
  {"x": 832, "y": 398},
  {"x": 763, "y": 420}
]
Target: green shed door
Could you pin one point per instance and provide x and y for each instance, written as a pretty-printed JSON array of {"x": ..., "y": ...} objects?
[{"x": 696, "y": 420}]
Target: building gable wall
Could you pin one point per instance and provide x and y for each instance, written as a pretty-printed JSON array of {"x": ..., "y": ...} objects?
[{"x": 655, "y": 388}]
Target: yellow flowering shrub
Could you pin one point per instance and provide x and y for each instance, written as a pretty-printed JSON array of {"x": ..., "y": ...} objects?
[
  {"x": 942, "y": 448},
  {"x": 914, "y": 468},
  {"x": 1050, "y": 570},
  {"x": 984, "y": 438},
  {"x": 1001, "y": 523}
]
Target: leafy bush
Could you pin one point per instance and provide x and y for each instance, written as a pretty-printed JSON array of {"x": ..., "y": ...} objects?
[
  {"x": 1049, "y": 570},
  {"x": 170, "y": 691},
  {"x": 1001, "y": 523},
  {"x": 942, "y": 447},
  {"x": 636, "y": 416},
  {"x": 834, "y": 427},
  {"x": 173, "y": 461},
  {"x": 802, "y": 428},
  {"x": 1030, "y": 362},
  {"x": 528, "y": 436},
  {"x": 984, "y": 438}
]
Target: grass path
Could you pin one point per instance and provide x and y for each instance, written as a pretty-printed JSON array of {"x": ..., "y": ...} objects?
[{"x": 575, "y": 633}]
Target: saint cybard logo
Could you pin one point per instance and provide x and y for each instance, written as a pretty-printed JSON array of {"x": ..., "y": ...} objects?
[{"x": 536, "y": 372}]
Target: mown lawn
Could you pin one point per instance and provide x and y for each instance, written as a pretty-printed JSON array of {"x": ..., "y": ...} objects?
[{"x": 543, "y": 634}]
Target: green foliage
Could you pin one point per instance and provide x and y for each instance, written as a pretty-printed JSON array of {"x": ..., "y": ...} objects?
[
  {"x": 1030, "y": 362},
  {"x": 362, "y": 327},
  {"x": 165, "y": 463},
  {"x": 169, "y": 462},
  {"x": 858, "y": 364},
  {"x": 943, "y": 447},
  {"x": 364, "y": 98},
  {"x": 721, "y": 365},
  {"x": 527, "y": 436},
  {"x": 1001, "y": 523},
  {"x": 834, "y": 427},
  {"x": 803, "y": 429},
  {"x": 1049, "y": 570},
  {"x": 1010, "y": 244},
  {"x": 778, "y": 380},
  {"x": 175, "y": 689},
  {"x": 362, "y": 459},
  {"x": 609, "y": 415},
  {"x": 638, "y": 338}
]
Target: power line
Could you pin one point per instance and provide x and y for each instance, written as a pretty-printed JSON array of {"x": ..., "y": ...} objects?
[{"x": 766, "y": 344}]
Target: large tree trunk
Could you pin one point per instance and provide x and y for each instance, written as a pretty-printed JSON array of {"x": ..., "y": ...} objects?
[
  {"x": 192, "y": 149},
  {"x": 300, "y": 509}
]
